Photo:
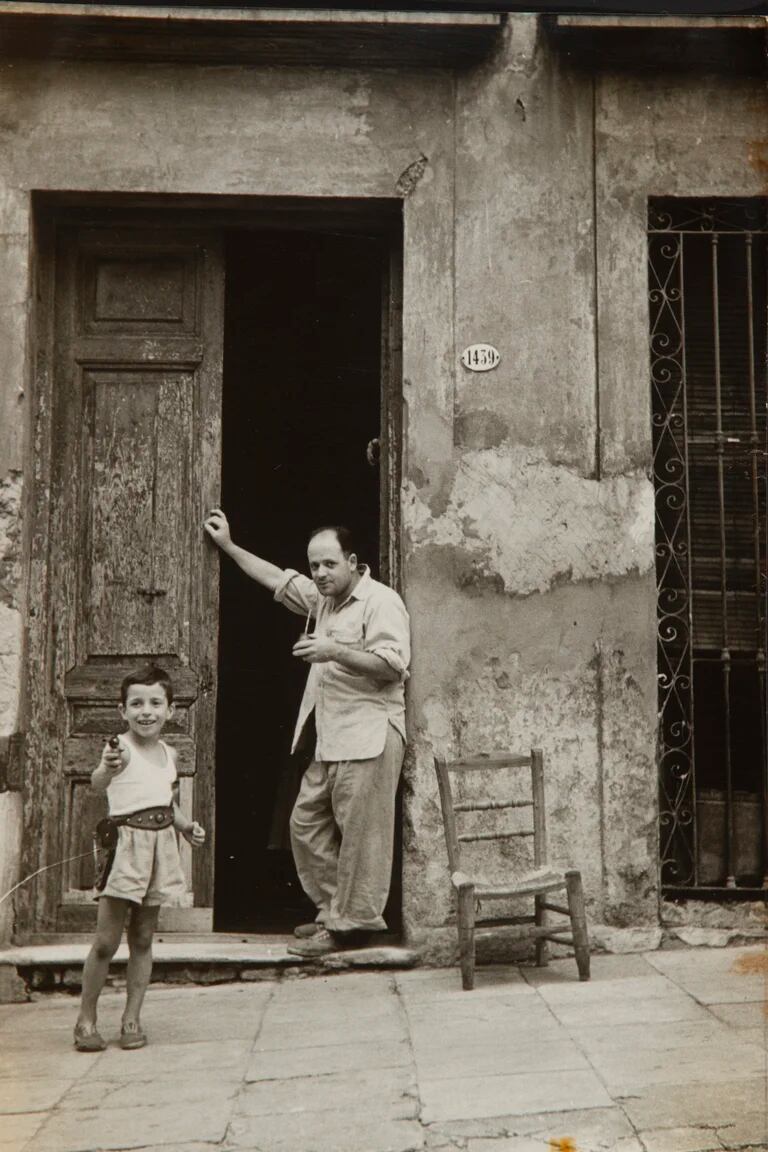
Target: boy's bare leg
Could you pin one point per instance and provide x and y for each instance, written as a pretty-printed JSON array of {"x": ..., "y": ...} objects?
[
  {"x": 141, "y": 929},
  {"x": 110, "y": 919}
]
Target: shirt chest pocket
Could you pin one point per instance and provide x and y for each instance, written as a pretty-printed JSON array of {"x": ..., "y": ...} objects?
[{"x": 350, "y": 635}]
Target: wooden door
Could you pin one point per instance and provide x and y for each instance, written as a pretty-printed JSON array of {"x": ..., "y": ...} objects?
[{"x": 129, "y": 433}]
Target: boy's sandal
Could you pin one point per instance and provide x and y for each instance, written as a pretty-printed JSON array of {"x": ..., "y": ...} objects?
[
  {"x": 88, "y": 1039},
  {"x": 132, "y": 1036}
]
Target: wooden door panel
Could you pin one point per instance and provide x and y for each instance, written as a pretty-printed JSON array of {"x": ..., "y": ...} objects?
[
  {"x": 134, "y": 502},
  {"x": 134, "y": 415},
  {"x": 83, "y": 810},
  {"x": 125, "y": 291}
]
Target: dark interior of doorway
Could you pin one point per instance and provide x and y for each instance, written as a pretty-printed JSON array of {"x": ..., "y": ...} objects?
[{"x": 302, "y": 394}]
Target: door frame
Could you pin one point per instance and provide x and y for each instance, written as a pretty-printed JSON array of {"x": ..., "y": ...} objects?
[{"x": 378, "y": 218}]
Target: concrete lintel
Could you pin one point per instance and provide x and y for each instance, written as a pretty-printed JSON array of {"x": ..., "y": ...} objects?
[
  {"x": 35, "y": 29},
  {"x": 735, "y": 44},
  {"x": 165, "y": 13},
  {"x": 665, "y": 23}
]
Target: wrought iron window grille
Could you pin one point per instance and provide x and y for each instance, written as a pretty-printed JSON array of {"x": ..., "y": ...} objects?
[{"x": 707, "y": 266}]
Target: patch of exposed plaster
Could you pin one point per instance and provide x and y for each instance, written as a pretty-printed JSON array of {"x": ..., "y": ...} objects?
[
  {"x": 480, "y": 429},
  {"x": 410, "y": 177},
  {"x": 10, "y": 850},
  {"x": 10, "y": 537},
  {"x": 535, "y": 525},
  {"x": 10, "y": 656},
  {"x": 10, "y": 615},
  {"x": 490, "y": 703}
]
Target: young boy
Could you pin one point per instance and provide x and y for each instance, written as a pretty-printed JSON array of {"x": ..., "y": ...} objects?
[{"x": 138, "y": 778}]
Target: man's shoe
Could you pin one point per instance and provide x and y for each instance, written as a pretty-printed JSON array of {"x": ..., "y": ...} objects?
[
  {"x": 304, "y": 931},
  {"x": 323, "y": 943}
]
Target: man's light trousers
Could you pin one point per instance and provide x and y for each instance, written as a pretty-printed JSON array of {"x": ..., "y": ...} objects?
[{"x": 342, "y": 833}]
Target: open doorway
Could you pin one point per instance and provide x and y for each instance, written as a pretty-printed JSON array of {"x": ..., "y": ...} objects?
[{"x": 302, "y": 403}]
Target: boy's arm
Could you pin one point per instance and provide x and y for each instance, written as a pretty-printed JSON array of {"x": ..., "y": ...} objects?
[
  {"x": 189, "y": 829},
  {"x": 112, "y": 763},
  {"x": 192, "y": 832},
  {"x": 264, "y": 573}
]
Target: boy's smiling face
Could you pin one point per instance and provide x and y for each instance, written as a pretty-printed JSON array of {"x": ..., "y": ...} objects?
[{"x": 146, "y": 710}]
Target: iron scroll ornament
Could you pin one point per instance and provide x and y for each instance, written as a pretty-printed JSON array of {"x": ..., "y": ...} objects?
[{"x": 677, "y": 813}]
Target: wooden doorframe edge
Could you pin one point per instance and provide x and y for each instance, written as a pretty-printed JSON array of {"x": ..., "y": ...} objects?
[{"x": 49, "y": 209}]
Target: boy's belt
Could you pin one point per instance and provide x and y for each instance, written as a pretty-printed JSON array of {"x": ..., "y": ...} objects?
[
  {"x": 154, "y": 818},
  {"x": 105, "y": 835}
]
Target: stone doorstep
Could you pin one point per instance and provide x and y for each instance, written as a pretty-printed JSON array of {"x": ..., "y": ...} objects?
[
  {"x": 201, "y": 960},
  {"x": 218, "y": 958}
]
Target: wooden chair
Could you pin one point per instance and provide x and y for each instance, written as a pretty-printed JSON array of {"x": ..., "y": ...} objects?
[{"x": 538, "y": 883}]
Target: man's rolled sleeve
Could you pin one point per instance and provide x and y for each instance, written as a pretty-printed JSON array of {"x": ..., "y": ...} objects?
[
  {"x": 388, "y": 636},
  {"x": 298, "y": 593}
]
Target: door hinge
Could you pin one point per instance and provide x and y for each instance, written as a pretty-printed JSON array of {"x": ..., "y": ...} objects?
[{"x": 11, "y": 757}]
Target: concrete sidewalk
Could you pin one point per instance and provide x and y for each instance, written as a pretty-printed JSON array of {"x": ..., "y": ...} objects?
[{"x": 663, "y": 1052}]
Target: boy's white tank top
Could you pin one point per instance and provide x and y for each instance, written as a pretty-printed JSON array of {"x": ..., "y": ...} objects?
[{"x": 141, "y": 784}]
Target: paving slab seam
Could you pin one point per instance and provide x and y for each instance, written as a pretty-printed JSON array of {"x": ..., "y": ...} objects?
[
  {"x": 224, "y": 1142},
  {"x": 721, "y": 1130},
  {"x": 575, "y": 1039},
  {"x": 54, "y": 1110},
  {"x": 746, "y": 1144},
  {"x": 718, "y": 1129},
  {"x": 403, "y": 1007},
  {"x": 509, "y": 1131},
  {"x": 669, "y": 975},
  {"x": 693, "y": 1127},
  {"x": 714, "y": 1128}
]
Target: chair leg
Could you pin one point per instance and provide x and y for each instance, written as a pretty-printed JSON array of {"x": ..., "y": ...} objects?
[
  {"x": 466, "y": 918},
  {"x": 578, "y": 922},
  {"x": 542, "y": 945}
]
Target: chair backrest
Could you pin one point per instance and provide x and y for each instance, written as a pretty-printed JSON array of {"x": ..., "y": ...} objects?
[{"x": 451, "y": 807}]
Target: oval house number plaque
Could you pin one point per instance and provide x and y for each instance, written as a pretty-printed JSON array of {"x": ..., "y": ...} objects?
[{"x": 480, "y": 357}]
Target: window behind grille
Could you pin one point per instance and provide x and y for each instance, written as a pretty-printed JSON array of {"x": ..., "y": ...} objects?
[{"x": 707, "y": 297}]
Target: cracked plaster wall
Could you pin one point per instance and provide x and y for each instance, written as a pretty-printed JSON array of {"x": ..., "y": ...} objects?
[
  {"x": 531, "y": 562},
  {"x": 10, "y": 661},
  {"x": 528, "y": 525},
  {"x": 530, "y": 571},
  {"x": 14, "y": 306},
  {"x": 527, "y": 542}
]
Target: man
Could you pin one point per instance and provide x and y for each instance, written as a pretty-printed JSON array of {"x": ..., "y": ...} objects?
[{"x": 342, "y": 825}]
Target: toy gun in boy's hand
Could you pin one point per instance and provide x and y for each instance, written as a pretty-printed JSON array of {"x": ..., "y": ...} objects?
[{"x": 114, "y": 756}]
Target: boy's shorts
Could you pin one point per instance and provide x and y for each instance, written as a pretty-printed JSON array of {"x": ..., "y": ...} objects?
[{"x": 146, "y": 869}]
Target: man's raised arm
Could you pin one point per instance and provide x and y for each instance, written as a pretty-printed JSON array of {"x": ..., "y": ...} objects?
[{"x": 264, "y": 573}]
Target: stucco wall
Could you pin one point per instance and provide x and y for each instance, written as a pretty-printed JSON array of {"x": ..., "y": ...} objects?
[
  {"x": 540, "y": 544},
  {"x": 531, "y": 567},
  {"x": 527, "y": 502}
]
